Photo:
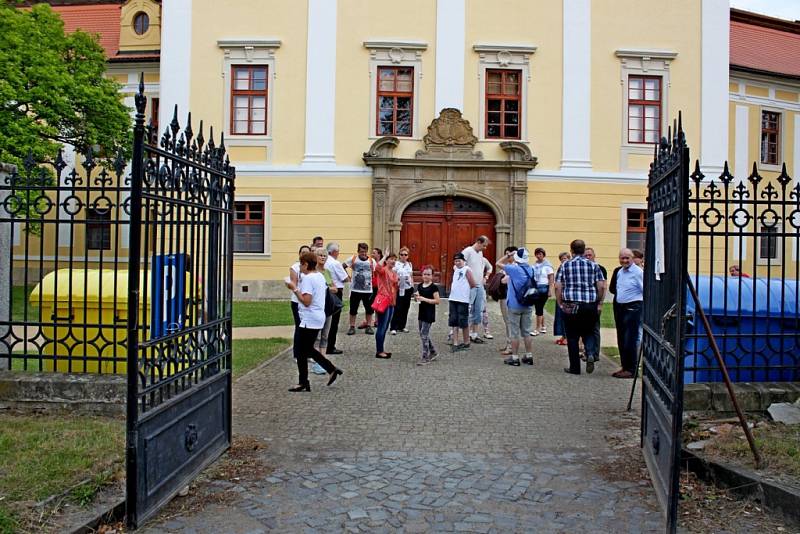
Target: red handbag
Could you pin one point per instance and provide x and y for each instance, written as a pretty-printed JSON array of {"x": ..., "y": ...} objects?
[{"x": 381, "y": 303}]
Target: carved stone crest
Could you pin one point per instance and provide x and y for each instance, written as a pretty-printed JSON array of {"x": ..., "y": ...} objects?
[
  {"x": 449, "y": 136},
  {"x": 450, "y": 189}
]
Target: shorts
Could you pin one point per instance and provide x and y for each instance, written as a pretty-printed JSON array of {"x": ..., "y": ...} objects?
[
  {"x": 459, "y": 314},
  {"x": 355, "y": 298},
  {"x": 519, "y": 323},
  {"x": 477, "y": 301}
]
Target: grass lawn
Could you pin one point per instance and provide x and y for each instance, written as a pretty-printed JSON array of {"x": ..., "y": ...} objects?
[
  {"x": 264, "y": 313},
  {"x": 606, "y": 318},
  {"x": 19, "y": 296},
  {"x": 45, "y": 456},
  {"x": 248, "y": 353},
  {"x": 611, "y": 352}
]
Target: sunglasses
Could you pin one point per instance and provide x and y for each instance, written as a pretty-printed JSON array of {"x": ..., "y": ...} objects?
[{"x": 403, "y": 254}]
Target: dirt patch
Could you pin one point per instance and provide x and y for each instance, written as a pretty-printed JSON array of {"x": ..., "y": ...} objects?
[
  {"x": 723, "y": 440},
  {"x": 703, "y": 507}
]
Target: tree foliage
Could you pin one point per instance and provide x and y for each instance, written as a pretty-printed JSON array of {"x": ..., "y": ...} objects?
[{"x": 53, "y": 89}]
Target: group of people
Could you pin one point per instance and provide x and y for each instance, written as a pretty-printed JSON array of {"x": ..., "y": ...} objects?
[{"x": 383, "y": 285}]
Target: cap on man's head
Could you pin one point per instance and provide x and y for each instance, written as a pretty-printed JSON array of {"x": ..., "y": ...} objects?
[
  {"x": 521, "y": 255},
  {"x": 458, "y": 256}
]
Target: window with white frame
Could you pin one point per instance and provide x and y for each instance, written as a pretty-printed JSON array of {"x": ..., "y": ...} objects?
[
  {"x": 770, "y": 137},
  {"x": 251, "y": 226},
  {"x": 249, "y": 73},
  {"x": 504, "y": 73},
  {"x": 645, "y": 81},
  {"x": 395, "y": 70}
]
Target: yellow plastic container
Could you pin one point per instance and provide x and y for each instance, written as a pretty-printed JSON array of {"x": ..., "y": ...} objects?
[{"x": 84, "y": 314}]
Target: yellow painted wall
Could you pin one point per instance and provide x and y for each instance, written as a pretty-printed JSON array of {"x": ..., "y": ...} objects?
[
  {"x": 553, "y": 220},
  {"x": 339, "y": 209},
  {"x": 282, "y": 19},
  {"x": 365, "y": 20},
  {"x": 755, "y": 90},
  {"x": 538, "y": 23},
  {"x": 677, "y": 29}
]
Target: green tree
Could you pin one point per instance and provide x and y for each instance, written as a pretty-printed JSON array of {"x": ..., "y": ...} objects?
[{"x": 53, "y": 89}]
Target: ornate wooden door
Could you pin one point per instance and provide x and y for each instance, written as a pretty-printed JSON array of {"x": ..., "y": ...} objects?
[{"x": 436, "y": 228}]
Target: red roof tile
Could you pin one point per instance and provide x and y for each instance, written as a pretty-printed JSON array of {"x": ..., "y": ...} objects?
[
  {"x": 765, "y": 49},
  {"x": 103, "y": 19}
]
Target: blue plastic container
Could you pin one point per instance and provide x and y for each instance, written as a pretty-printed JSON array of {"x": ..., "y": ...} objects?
[{"x": 756, "y": 323}]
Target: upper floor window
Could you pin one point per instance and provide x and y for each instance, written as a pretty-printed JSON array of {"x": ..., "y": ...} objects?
[
  {"x": 249, "y": 100},
  {"x": 141, "y": 23},
  {"x": 395, "y": 101},
  {"x": 248, "y": 227},
  {"x": 503, "y": 103},
  {"x": 644, "y": 109},
  {"x": 770, "y": 137}
]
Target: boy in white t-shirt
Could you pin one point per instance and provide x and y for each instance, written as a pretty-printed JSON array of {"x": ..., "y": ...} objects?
[{"x": 458, "y": 319}]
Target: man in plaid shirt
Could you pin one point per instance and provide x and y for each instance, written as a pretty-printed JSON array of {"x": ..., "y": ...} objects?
[{"x": 580, "y": 287}]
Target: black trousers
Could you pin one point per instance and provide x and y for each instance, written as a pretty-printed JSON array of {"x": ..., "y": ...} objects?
[
  {"x": 580, "y": 326},
  {"x": 628, "y": 318},
  {"x": 295, "y": 314},
  {"x": 401, "y": 310},
  {"x": 304, "y": 348},
  {"x": 334, "y": 325}
]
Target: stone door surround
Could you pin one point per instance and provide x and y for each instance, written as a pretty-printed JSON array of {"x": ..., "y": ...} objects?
[{"x": 449, "y": 166}]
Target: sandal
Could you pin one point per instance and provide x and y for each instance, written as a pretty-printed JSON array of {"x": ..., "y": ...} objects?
[{"x": 506, "y": 352}]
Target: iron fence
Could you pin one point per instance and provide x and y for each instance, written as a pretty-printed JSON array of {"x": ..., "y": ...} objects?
[
  {"x": 68, "y": 226},
  {"x": 744, "y": 247}
]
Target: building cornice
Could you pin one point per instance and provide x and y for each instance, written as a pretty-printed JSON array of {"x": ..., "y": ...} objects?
[
  {"x": 258, "y": 42},
  {"x": 505, "y": 47},
  {"x": 395, "y": 43},
  {"x": 646, "y": 53}
]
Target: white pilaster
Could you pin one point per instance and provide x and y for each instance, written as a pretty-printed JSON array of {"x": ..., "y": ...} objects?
[
  {"x": 714, "y": 93},
  {"x": 450, "y": 46},
  {"x": 796, "y": 175},
  {"x": 577, "y": 72},
  {"x": 320, "y": 83},
  {"x": 176, "y": 59},
  {"x": 742, "y": 169}
]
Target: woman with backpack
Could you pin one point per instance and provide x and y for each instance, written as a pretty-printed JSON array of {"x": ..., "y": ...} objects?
[{"x": 520, "y": 299}]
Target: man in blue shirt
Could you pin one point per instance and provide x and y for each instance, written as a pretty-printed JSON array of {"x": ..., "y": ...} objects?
[
  {"x": 580, "y": 286},
  {"x": 627, "y": 284}
]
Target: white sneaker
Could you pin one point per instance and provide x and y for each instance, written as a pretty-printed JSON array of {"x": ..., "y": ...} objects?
[
  {"x": 543, "y": 330},
  {"x": 534, "y": 333},
  {"x": 393, "y": 332},
  {"x": 488, "y": 336},
  {"x": 405, "y": 330}
]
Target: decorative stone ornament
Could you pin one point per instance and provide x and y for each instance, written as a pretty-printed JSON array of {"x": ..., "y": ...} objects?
[{"x": 449, "y": 135}]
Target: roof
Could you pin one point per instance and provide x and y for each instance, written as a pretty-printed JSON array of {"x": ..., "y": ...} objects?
[
  {"x": 102, "y": 19},
  {"x": 764, "y": 45}
]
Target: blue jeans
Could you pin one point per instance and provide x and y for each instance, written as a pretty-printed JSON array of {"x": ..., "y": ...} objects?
[
  {"x": 477, "y": 301},
  {"x": 384, "y": 320}
]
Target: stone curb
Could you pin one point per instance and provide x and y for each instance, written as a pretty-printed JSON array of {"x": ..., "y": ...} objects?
[{"x": 745, "y": 483}]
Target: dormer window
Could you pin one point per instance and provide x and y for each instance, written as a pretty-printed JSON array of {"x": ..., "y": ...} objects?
[{"x": 141, "y": 23}]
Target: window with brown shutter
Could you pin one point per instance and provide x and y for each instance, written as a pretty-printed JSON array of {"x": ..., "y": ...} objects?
[
  {"x": 249, "y": 100},
  {"x": 503, "y": 103},
  {"x": 395, "y": 101}
]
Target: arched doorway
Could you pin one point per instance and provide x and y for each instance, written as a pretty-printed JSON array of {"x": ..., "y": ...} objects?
[{"x": 435, "y": 228}]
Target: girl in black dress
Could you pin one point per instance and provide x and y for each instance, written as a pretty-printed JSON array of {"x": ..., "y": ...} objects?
[{"x": 428, "y": 297}]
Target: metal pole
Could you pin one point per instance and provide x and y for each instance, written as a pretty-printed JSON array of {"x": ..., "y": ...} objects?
[
  {"x": 721, "y": 362},
  {"x": 636, "y": 374}
]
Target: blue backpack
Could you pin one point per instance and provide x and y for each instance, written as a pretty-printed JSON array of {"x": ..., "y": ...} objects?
[{"x": 527, "y": 295}]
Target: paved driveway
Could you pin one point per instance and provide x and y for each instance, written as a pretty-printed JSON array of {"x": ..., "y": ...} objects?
[{"x": 463, "y": 444}]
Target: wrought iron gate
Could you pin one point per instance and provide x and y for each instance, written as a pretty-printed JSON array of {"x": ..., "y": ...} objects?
[
  {"x": 664, "y": 309},
  {"x": 179, "y": 311}
]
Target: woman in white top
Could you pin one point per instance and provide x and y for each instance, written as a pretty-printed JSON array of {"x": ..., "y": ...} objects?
[
  {"x": 405, "y": 290},
  {"x": 311, "y": 308},
  {"x": 544, "y": 275},
  {"x": 294, "y": 277}
]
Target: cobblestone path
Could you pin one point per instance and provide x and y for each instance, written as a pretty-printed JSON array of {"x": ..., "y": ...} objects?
[{"x": 464, "y": 444}]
